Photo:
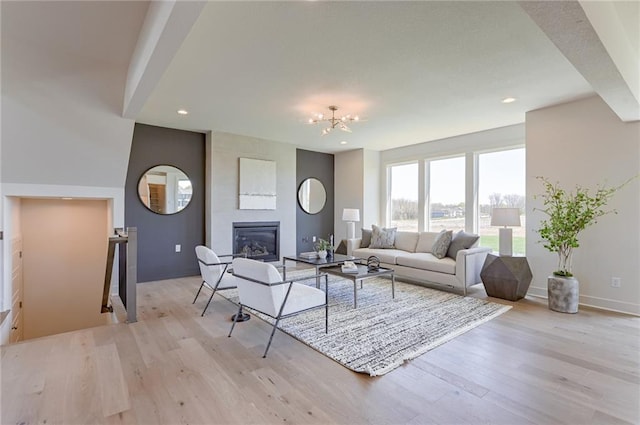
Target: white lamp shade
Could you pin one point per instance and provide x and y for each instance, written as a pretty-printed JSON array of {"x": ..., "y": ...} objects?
[
  {"x": 351, "y": 214},
  {"x": 505, "y": 217}
]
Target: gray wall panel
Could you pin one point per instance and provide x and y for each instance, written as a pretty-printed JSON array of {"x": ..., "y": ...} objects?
[
  {"x": 320, "y": 166},
  {"x": 159, "y": 234}
]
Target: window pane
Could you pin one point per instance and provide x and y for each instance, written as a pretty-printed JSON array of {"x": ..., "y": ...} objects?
[
  {"x": 501, "y": 183},
  {"x": 446, "y": 194},
  {"x": 404, "y": 196}
]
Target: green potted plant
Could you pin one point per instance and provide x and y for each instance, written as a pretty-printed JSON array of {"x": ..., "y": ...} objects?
[
  {"x": 568, "y": 214},
  {"x": 322, "y": 246}
]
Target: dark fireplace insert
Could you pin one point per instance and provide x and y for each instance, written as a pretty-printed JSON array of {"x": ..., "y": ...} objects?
[{"x": 259, "y": 240}]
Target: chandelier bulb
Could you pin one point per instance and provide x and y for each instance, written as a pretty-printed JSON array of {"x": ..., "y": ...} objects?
[{"x": 333, "y": 121}]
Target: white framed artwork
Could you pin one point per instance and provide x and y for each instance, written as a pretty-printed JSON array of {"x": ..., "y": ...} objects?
[{"x": 257, "y": 184}]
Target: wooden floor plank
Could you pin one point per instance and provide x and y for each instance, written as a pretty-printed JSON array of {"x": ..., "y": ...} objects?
[
  {"x": 114, "y": 392},
  {"x": 529, "y": 365}
]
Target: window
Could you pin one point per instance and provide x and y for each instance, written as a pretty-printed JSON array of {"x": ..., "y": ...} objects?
[
  {"x": 447, "y": 194},
  {"x": 501, "y": 183},
  {"x": 404, "y": 196}
]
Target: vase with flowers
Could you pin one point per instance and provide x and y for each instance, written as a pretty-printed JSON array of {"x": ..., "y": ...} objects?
[{"x": 322, "y": 247}]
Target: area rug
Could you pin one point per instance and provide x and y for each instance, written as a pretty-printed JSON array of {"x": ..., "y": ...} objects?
[{"x": 383, "y": 333}]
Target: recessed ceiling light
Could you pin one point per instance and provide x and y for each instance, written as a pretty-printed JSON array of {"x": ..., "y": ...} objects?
[
  {"x": 343, "y": 142},
  {"x": 183, "y": 112},
  {"x": 508, "y": 100}
]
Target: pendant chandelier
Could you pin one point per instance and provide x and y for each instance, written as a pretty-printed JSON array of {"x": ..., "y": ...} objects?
[{"x": 333, "y": 122}]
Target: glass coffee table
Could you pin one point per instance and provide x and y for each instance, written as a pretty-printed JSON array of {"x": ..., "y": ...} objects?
[
  {"x": 362, "y": 275},
  {"x": 317, "y": 263}
]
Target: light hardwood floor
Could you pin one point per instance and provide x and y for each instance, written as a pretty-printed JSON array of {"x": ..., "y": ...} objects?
[{"x": 528, "y": 366}]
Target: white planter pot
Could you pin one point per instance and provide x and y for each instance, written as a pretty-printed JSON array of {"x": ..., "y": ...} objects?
[
  {"x": 563, "y": 293},
  {"x": 322, "y": 254}
]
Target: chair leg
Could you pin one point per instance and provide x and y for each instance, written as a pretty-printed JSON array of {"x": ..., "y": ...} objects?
[
  {"x": 326, "y": 304},
  {"x": 235, "y": 319},
  {"x": 275, "y": 326},
  {"x": 198, "y": 293},
  {"x": 326, "y": 318},
  {"x": 208, "y": 302}
]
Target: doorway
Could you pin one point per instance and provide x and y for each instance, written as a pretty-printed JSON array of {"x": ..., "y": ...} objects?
[{"x": 64, "y": 246}]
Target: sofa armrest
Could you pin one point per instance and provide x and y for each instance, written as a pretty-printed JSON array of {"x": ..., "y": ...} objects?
[
  {"x": 353, "y": 244},
  {"x": 469, "y": 263}
]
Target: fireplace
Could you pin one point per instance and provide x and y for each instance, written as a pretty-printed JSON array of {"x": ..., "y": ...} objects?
[{"x": 259, "y": 240}]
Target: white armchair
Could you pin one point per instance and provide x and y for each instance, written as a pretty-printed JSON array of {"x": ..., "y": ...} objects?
[
  {"x": 213, "y": 272},
  {"x": 261, "y": 288}
]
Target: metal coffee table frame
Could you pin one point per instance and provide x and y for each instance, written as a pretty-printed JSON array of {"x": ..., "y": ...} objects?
[
  {"x": 363, "y": 274},
  {"x": 318, "y": 263}
]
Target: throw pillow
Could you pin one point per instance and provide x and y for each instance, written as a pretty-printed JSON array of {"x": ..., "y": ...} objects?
[
  {"x": 441, "y": 245},
  {"x": 366, "y": 238},
  {"x": 461, "y": 240},
  {"x": 382, "y": 237}
]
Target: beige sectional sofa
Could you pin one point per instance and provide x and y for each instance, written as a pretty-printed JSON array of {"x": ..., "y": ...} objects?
[{"x": 412, "y": 259}]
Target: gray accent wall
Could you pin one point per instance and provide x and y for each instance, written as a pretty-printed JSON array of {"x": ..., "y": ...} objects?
[
  {"x": 321, "y": 166},
  {"x": 158, "y": 234}
]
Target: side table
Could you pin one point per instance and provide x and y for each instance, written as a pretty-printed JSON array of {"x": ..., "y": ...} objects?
[{"x": 506, "y": 277}]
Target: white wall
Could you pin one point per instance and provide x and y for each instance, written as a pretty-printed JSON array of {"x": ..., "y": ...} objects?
[
  {"x": 226, "y": 150},
  {"x": 584, "y": 143},
  {"x": 62, "y": 133},
  {"x": 349, "y": 189},
  {"x": 61, "y": 130},
  {"x": 493, "y": 139},
  {"x": 372, "y": 184},
  {"x": 357, "y": 185}
]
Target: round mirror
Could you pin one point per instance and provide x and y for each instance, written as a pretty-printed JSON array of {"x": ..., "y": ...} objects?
[
  {"x": 165, "y": 189},
  {"x": 312, "y": 196}
]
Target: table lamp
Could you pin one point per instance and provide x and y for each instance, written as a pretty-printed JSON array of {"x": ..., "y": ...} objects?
[
  {"x": 351, "y": 215},
  {"x": 505, "y": 217}
]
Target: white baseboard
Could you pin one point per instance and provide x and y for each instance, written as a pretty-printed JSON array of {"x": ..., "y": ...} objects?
[{"x": 596, "y": 302}]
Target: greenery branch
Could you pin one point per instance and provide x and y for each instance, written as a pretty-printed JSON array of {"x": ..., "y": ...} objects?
[
  {"x": 569, "y": 213},
  {"x": 323, "y": 245}
]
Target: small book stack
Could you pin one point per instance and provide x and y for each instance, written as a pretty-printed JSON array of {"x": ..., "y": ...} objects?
[
  {"x": 349, "y": 267},
  {"x": 309, "y": 255}
]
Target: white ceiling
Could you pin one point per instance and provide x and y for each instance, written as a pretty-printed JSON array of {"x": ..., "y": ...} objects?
[{"x": 418, "y": 71}]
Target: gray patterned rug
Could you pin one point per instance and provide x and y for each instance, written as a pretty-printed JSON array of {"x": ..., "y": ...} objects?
[{"x": 382, "y": 333}]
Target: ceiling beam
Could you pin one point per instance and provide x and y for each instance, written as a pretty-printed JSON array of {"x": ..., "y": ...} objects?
[
  {"x": 569, "y": 28},
  {"x": 165, "y": 27}
]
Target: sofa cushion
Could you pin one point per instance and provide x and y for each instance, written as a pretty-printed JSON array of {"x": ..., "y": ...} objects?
[
  {"x": 426, "y": 261},
  {"x": 366, "y": 238},
  {"x": 407, "y": 241},
  {"x": 382, "y": 237},
  {"x": 461, "y": 240},
  {"x": 384, "y": 255},
  {"x": 441, "y": 245},
  {"x": 425, "y": 241}
]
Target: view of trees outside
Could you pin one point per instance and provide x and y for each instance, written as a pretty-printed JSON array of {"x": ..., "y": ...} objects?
[
  {"x": 184, "y": 193},
  {"x": 501, "y": 177},
  {"x": 501, "y": 184},
  {"x": 446, "y": 194},
  {"x": 404, "y": 196}
]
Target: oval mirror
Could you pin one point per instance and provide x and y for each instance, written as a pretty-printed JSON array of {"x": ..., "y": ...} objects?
[
  {"x": 312, "y": 196},
  {"x": 165, "y": 189}
]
